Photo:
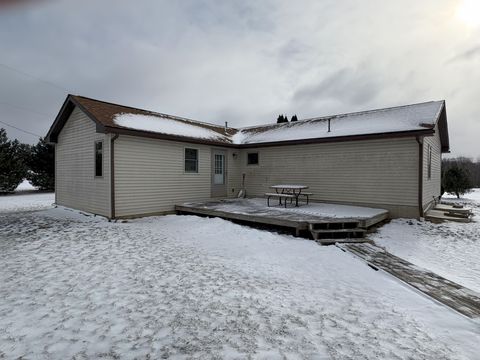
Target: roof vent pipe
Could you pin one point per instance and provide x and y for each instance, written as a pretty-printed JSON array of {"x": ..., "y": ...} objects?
[{"x": 328, "y": 125}]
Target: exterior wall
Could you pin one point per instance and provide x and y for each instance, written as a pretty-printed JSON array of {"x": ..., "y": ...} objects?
[
  {"x": 75, "y": 183},
  {"x": 431, "y": 187},
  {"x": 380, "y": 173},
  {"x": 150, "y": 178}
]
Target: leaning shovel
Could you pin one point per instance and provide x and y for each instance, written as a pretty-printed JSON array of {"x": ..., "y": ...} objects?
[{"x": 242, "y": 193}]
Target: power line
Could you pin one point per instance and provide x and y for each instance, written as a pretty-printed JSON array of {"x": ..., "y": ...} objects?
[
  {"x": 17, "y": 128},
  {"x": 8, "y": 67},
  {"x": 25, "y": 109}
]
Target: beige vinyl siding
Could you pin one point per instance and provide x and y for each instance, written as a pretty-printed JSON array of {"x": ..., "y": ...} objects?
[
  {"x": 431, "y": 187},
  {"x": 234, "y": 172},
  {"x": 368, "y": 172},
  {"x": 76, "y": 185},
  {"x": 150, "y": 176}
]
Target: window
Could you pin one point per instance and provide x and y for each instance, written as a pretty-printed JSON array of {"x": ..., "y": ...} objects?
[
  {"x": 429, "y": 162},
  {"x": 98, "y": 158},
  {"x": 191, "y": 160},
  {"x": 252, "y": 159}
]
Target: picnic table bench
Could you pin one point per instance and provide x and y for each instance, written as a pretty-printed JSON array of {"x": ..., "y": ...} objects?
[{"x": 287, "y": 192}]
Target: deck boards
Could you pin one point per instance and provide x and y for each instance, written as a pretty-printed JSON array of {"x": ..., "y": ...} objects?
[
  {"x": 457, "y": 297},
  {"x": 256, "y": 211}
]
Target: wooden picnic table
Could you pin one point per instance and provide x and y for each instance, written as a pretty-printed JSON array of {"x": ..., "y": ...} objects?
[{"x": 295, "y": 190}]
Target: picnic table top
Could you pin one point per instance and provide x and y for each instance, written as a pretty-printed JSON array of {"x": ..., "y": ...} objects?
[{"x": 289, "y": 186}]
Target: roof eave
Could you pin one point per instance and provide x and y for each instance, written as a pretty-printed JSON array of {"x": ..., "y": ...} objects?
[
  {"x": 443, "y": 129},
  {"x": 155, "y": 135},
  {"x": 65, "y": 111},
  {"x": 384, "y": 135}
]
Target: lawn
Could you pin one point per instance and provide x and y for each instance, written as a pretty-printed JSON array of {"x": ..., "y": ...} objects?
[{"x": 189, "y": 287}]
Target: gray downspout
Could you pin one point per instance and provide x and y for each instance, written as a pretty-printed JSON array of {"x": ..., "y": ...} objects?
[
  {"x": 112, "y": 176},
  {"x": 420, "y": 175}
]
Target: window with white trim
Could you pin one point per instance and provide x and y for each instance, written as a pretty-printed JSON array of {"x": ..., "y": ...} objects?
[
  {"x": 252, "y": 158},
  {"x": 191, "y": 160},
  {"x": 99, "y": 158}
]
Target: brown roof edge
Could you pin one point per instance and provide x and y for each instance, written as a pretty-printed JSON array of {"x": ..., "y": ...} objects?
[
  {"x": 152, "y": 135},
  {"x": 62, "y": 117},
  {"x": 443, "y": 129},
  {"x": 386, "y": 135}
]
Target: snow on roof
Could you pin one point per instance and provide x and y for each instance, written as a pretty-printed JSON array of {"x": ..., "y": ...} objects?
[
  {"x": 164, "y": 125},
  {"x": 398, "y": 119},
  {"x": 390, "y": 120}
]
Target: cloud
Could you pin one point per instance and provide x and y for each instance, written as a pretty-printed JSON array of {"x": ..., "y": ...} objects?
[
  {"x": 466, "y": 55},
  {"x": 347, "y": 85},
  {"x": 242, "y": 62}
]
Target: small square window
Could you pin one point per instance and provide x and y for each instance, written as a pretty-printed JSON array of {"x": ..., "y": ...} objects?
[
  {"x": 252, "y": 159},
  {"x": 99, "y": 158},
  {"x": 191, "y": 160}
]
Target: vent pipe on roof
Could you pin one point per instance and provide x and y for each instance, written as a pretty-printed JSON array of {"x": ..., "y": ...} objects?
[
  {"x": 328, "y": 125},
  {"x": 226, "y": 126}
]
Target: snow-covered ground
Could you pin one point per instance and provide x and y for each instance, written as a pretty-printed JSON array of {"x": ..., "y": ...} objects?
[
  {"x": 450, "y": 249},
  {"x": 26, "y": 202},
  {"x": 189, "y": 287}
]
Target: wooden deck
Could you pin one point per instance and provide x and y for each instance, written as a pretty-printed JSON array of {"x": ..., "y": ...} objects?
[
  {"x": 335, "y": 221},
  {"x": 455, "y": 296}
]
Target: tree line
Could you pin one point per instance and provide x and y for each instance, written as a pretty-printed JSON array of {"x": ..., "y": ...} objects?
[
  {"x": 459, "y": 175},
  {"x": 18, "y": 161}
]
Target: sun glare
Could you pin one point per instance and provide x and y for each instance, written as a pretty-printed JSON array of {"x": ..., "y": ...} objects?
[{"x": 469, "y": 12}]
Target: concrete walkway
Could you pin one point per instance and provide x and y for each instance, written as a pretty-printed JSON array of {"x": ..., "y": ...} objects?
[{"x": 457, "y": 297}]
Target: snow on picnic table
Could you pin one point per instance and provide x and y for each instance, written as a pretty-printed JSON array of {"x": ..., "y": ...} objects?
[
  {"x": 450, "y": 249},
  {"x": 190, "y": 287}
]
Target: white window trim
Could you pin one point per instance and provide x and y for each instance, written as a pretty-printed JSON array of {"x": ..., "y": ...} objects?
[
  {"x": 198, "y": 161},
  {"x": 258, "y": 157},
  {"x": 95, "y": 159}
]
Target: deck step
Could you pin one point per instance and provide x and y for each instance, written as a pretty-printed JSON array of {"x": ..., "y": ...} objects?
[
  {"x": 338, "y": 233},
  {"x": 334, "y": 225},
  {"x": 440, "y": 216},
  {"x": 343, "y": 241}
]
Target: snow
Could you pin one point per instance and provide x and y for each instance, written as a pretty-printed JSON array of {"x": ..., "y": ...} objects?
[
  {"x": 190, "y": 287},
  {"x": 259, "y": 207},
  {"x": 450, "y": 249},
  {"x": 168, "y": 126},
  {"x": 402, "y": 118},
  {"x": 26, "y": 202},
  {"x": 25, "y": 186}
]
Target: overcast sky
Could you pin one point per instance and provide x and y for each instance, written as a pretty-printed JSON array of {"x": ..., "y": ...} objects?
[{"x": 242, "y": 61}]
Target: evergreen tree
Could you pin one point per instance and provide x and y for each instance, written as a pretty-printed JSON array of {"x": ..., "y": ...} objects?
[
  {"x": 456, "y": 180},
  {"x": 282, "y": 119},
  {"x": 41, "y": 166},
  {"x": 294, "y": 118},
  {"x": 12, "y": 164}
]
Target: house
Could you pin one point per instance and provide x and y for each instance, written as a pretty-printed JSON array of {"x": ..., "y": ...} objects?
[{"x": 118, "y": 161}]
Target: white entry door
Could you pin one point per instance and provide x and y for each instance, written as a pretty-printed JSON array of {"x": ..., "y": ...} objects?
[{"x": 219, "y": 173}]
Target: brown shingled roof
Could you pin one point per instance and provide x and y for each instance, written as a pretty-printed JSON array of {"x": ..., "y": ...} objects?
[{"x": 104, "y": 113}]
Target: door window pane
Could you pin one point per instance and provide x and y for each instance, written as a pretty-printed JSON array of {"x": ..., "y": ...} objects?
[{"x": 219, "y": 169}]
